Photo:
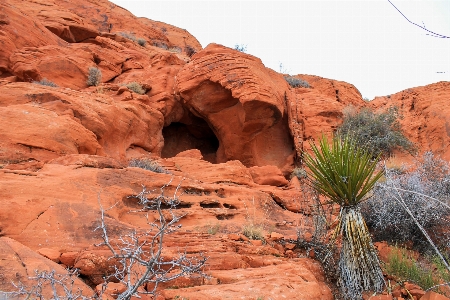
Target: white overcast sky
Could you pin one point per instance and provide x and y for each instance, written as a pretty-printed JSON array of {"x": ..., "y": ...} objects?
[{"x": 367, "y": 42}]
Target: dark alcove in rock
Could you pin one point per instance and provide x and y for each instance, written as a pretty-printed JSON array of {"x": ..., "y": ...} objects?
[{"x": 179, "y": 137}]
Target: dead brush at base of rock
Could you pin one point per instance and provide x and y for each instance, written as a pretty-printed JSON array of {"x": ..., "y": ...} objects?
[
  {"x": 147, "y": 164},
  {"x": 296, "y": 82},
  {"x": 426, "y": 193},
  {"x": 136, "y": 87},
  {"x": 94, "y": 76},
  {"x": 45, "y": 82}
]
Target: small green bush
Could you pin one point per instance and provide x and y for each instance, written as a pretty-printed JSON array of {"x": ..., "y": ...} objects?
[
  {"x": 406, "y": 268},
  {"x": 296, "y": 82},
  {"x": 94, "y": 76},
  {"x": 147, "y": 164},
  {"x": 45, "y": 82},
  {"x": 136, "y": 87},
  {"x": 376, "y": 132},
  {"x": 141, "y": 42}
]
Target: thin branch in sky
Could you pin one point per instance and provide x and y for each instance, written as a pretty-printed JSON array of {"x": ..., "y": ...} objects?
[{"x": 433, "y": 34}]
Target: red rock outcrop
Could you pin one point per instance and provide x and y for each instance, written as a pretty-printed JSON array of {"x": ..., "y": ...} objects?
[
  {"x": 425, "y": 116},
  {"x": 243, "y": 103},
  {"x": 19, "y": 30},
  {"x": 50, "y": 122},
  {"x": 18, "y": 263}
]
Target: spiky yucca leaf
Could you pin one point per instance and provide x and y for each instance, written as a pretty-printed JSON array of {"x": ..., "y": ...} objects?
[{"x": 343, "y": 172}]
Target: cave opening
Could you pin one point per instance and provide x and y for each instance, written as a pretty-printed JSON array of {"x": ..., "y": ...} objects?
[{"x": 179, "y": 137}]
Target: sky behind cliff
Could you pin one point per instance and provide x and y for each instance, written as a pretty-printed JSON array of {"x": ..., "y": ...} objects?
[{"x": 367, "y": 43}]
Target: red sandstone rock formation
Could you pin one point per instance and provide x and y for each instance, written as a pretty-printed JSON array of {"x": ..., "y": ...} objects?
[
  {"x": 242, "y": 102},
  {"x": 229, "y": 131},
  {"x": 425, "y": 113}
]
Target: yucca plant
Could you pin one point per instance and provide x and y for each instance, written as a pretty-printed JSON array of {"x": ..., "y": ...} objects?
[{"x": 345, "y": 173}]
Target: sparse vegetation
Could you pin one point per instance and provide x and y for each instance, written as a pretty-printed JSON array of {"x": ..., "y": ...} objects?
[
  {"x": 300, "y": 173},
  {"x": 403, "y": 266},
  {"x": 253, "y": 232},
  {"x": 94, "y": 76},
  {"x": 376, "y": 132},
  {"x": 136, "y": 87},
  {"x": 241, "y": 47},
  {"x": 45, "y": 82},
  {"x": 213, "y": 229},
  {"x": 175, "y": 49},
  {"x": 142, "y": 266},
  {"x": 128, "y": 35},
  {"x": 425, "y": 191},
  {"x": 296, "y": 82},
  {"x": 141, "y": 42},
  {"x": 147, "y": 164},
  {"x": 189, "y": 50},
  {"x": 160, "y": 44}
]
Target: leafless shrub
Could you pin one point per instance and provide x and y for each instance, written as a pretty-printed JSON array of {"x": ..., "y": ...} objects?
[
  {"x": 296, "y": 82},
  {"x": 240, "y": 48},
  {"x": 189, "y": 50},
  {"x": 45, "y": 82},
  {"x": 425, "y": 192},
  {"x": 128, "y": 35},
  {"x": 141, "y": 42},
  {"x": 147, "y": 164},
  {"x": 62, "y": 287},
  {"x": 160, "y": 44},
  {"x": 94, "y": 76},
  {"x": 141, "y": 254},
  {"x": 175, "y": 49}
]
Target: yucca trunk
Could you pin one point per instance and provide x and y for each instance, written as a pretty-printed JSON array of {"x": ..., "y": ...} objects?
[{"x": 359, "y": 266}]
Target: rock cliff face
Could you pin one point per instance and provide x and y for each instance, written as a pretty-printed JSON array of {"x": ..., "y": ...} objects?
[{"x": 225, "y": 127}]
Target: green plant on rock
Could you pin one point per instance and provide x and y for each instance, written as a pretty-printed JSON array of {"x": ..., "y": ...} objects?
[
  {"x": 345, "y": 173},
  {"x": 406, "y": 268},
  {"x": 377, "y": 132}
]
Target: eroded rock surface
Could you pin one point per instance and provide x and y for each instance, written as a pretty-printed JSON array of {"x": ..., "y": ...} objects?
[{"x": 243, "y": 103}]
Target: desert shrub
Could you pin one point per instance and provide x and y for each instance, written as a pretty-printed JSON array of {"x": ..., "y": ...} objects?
[
  {"x": 240, "y": 48},
  {"x": 147, "y": 164},
  {"x": 94, "y": 76},
  {"x": 175, "y": 49},
  {"x": 296, "y": 82},
  {"x": 253, "y": 231},
  {"x": 425, "y": 192},
  {"x": 160, "y": 44},
  {"x": 189, "y": 50},
  {"x": 141, "y": 42},
  {"x": 300, "y": 173},
  {"x": 45, "y": 82},
  {"x": 376, "y": 132},
  {"x": 136, "y": 87},
  {"x": 128, "y": 35},
  {"x": 406, "y": 268}
]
